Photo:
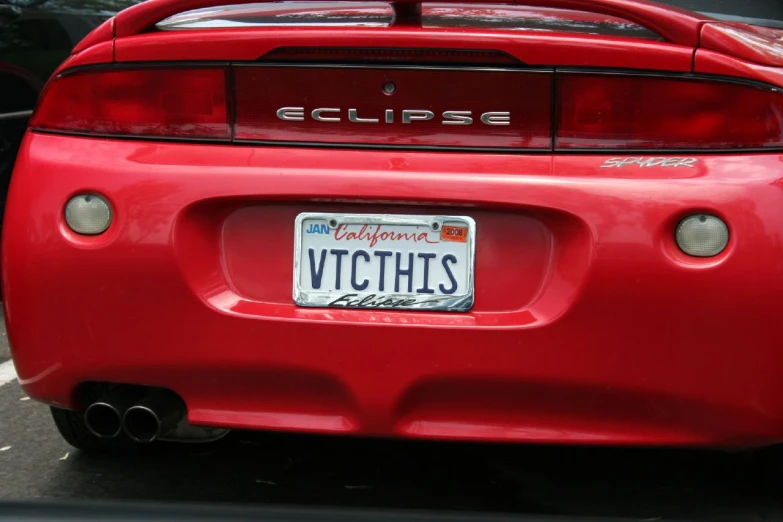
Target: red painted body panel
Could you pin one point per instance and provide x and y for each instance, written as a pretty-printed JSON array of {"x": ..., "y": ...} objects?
[
  {"x": 101, "y": 34},
  {"x": 531, "y": 48},
  {"x": 100, "y": 53},
  {"x": 610, "y": 335},
  {"x": 711, "y": 62},
  {"x": 760, "y": 45}
]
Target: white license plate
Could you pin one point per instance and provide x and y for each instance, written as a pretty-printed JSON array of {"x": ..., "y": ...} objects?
[{"x": 384, "y": 261}]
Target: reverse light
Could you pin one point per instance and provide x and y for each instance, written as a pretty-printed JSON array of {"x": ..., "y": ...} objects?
[
  {"x": 702, "y": 235},
  {"x": 88, "y": 214}
]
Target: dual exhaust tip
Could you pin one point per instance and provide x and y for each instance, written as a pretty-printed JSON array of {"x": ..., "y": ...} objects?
[{"x": 146, "y": 420}]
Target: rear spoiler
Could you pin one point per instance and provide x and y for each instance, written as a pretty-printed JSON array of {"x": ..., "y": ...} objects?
[{"x": 675, "y": 25}]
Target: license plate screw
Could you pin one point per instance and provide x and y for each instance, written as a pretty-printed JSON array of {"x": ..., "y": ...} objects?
[
  {"x": 333, "y": 223},
  {"x": 435, "y": 226}
]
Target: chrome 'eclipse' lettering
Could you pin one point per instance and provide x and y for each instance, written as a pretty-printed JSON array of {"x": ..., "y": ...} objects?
[
  {"x": 291, "y": 113},
  {"x": 496, "y": 118},
  {"x": 410, "y": 115},
  {"x": 406, "y": 116},
  {"x": 353, "y": 115},
  {"x": 457, "y": 118},
  {"x": 318, "y": 114}
]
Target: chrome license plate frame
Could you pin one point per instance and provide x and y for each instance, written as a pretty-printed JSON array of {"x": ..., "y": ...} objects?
[{"x": 350, "y": 298}]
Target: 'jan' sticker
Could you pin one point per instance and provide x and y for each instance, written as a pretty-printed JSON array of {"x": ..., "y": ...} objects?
[{"x": 455, "y": 234}]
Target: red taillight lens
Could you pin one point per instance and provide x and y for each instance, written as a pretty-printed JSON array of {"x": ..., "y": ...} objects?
[
  {"x": 411, "y": 107},
  {"x": 178, "y": 103},
  {"x": 647, "y": 112}
]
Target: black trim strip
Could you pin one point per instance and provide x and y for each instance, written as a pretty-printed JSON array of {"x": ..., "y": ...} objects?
[
  {"x": 529, "y": 69},
  {"x": 670, "y": 75},
  {"x": 231, "y": 103},
  {"x": 414, "y": 148},
  {"x": 553, "y": 112},
  {"x": 365, "y": 146},
  {"x": 124, "y": 66},
  {"x": 371, "y": 66},
  {"x": 129, "y": 137}
]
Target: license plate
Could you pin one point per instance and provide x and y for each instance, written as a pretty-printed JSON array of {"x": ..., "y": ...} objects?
[{"x": 384, "y": 261}]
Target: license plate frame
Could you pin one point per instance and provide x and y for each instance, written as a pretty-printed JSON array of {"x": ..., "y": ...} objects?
[{"x": 462, "y": 302}]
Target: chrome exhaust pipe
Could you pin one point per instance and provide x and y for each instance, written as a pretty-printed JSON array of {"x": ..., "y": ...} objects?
[
  {"x": 103, "y": 417},
  {"x": 103, "y": 420},
  {"x": 154, "y": 416}
]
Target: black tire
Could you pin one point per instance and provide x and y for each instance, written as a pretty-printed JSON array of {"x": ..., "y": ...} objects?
[
  {"x": 73, "y": 429},
  {"x": 767, "y": 466}
]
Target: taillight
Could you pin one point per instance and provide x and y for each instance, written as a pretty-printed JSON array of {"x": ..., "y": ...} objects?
[
  {"x": 647, "y": 112},
  {"x": 177, "y": 103},
  {"x": 490, "y": 108}
]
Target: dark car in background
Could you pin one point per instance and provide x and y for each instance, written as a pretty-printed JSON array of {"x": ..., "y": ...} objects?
[{"x": 35, "y": 37}]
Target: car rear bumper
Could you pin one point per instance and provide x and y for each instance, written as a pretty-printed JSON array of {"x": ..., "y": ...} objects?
[{"x": 589, "y": 326}]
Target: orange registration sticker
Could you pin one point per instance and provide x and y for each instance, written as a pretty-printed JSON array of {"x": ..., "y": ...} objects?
[{"x": 455, "y": 234}]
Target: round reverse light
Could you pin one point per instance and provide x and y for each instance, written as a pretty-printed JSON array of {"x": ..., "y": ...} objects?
[
  {"x": 88, "y": 214},
  {"x": 702, "y": 235}
]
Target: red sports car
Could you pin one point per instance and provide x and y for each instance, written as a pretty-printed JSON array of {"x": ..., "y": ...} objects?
[{"x": 551, "y": 221}]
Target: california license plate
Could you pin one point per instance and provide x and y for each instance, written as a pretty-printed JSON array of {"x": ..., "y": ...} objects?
[{"x": 384, "y": 261}]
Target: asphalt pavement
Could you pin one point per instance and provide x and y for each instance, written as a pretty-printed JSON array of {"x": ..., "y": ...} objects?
[
  {"x": 5, "y": 352},
  {"x": 274, "y": 469}
]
